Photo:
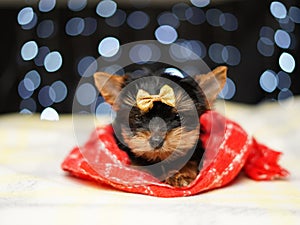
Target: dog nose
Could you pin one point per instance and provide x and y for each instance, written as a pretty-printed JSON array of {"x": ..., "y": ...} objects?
[{"x": 156, "y": 142}]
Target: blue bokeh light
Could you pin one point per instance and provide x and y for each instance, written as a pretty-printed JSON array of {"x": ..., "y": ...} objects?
[
  {"x": 138, "y": 20},
  {"x": 166, "y": 34},
  {"x": 49, "y": 114},
  {"x": 45, "y": 29},
  {"x": 60, "y": 91},
  {"x": 53, "y": 61},
  {"x": 34, "y": 77},
  {"x": 86, "y": 94},
  {"x": 200, "y": 3},
  {"x": 268, "y": 81},
  {"x": 39, "y": 59},
  {"x": 75, "y": 26},
  {"x": 287, "y": 62},
  {"x": 294, "y": 13},
  {"x": 45, "y": 96},
  {"x": 77, "y": 5},
  {"x": 213, "y": 17},
  {"x": 278, "y": 10},
  {"x": 106, "y": 8},
  {"x": 228, "y": 21},
  {"x": 109, "y": 46},
  {"x": 29, "y": 50},
  {"x": 25, "y": 16},
  {"x": 229, "y": 90},
  {"x": 87, "y": 66},
  {"x": 282, "y": 39},
  {"x": 195, "y": 16},
  {"x": 46, "y": 5},
  {"x": 117, "y": 20},
  {"x": 167, "y": 18},
  {"x": 284, "y": 80}
]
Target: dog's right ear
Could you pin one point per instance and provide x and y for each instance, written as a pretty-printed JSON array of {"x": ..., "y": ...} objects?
[{"x": 109, "y": 85}]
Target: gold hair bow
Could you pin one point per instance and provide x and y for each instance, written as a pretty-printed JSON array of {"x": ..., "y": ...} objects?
[{"x": 145, "y": 101}]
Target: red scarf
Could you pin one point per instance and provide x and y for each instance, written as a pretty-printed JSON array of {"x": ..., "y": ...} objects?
[{"x": 228, "y": 150}]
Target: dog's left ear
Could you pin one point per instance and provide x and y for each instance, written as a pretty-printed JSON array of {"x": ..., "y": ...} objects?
[
  {"x": 212, "y": 83},
  {"x": 109, "y": 85}
]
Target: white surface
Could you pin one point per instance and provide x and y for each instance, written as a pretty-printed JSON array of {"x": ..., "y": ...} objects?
[{"x": 34, "y": 190}]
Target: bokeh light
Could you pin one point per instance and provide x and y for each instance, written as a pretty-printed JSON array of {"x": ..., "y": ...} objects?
[
  {"x": 25, "y": 16},
  {"x": 138, "y": 20},
  {"x": 29, "y": 50},
  {"x": 34, "y": 77},
  {"x": 294, "y": 13},
  {"x": 266, "y": 32},
  {"x": 287, "y": 24},
  {"x": 49, "y": 114},
  {"x": 200, "y": 3},
  {"x": 106, "y": 8},
  {"x": 168, "y": 18},
  {"x": 75, "y": 26},
  {"x": 228, "y": 22},
  {"x": 109, "y": 46},
  {"x": 45, "y": 29},
  {"x": 46, "y": 96},
  {"x": 215, "y": 52},
  {"x": 187, "y": 50},
  {"x": 276, "y": 38},
  {"x": 268, "y": 81},
  {"x": 46, "y": 5},
  {"x": 231, "y": 55},
  {"x": 31, "y": 24},
  {"x": 265, "y": 46},
  {"x": 113, "y": 69},
  {"x": 77, "y": 5},
  {"x": 179, "y": 10},
  {"x": 166, "y": 34},
  {"x": 229, "y": 90},
  {"x": 28, "y": 106},
  {"x": 24, "y": 93},
  {"x": 117, "y": 20},
  {"x": 90, "y": 26},
  {"x": 213, "y": 17},
  {"x": 105, "y": 110},
  {"x": 86, "y": 94},
  {"x": 39, "y": 59},
  {"x": 195, "y": 16},
  {"x": 278, "y": 10},
  {"x": 53, "y": 61},
  {"x": 282, "y": 39},
  {"x": 87, "y": 66},
  {"x": 284, "y": 95},
  {"x": 142, "y": 53},
  {"x": 287, "y": 62},
  {"x": 284, "y": 80},
  {"x": 60, "y": 91}
]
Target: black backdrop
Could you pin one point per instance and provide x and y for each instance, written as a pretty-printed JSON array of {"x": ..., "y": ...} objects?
[{"x": 251, "y": 16}]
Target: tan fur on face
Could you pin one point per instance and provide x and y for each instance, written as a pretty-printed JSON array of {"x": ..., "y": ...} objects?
[{"x": 176, "y": 144}]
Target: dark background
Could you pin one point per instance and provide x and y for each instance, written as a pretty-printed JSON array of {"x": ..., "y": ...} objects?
[{"x": 251, "y": 15}]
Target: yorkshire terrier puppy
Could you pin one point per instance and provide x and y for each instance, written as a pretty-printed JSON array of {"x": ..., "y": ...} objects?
[{"x": 157, "y": 119}]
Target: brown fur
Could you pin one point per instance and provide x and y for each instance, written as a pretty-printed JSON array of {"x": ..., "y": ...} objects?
[{"x": 178, "y": 141}]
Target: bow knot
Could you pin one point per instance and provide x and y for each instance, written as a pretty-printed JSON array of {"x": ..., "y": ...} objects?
[{"x": 145, "y": 101}]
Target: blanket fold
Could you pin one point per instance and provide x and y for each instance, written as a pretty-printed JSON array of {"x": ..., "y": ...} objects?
[{"x": 228, "y": 150}]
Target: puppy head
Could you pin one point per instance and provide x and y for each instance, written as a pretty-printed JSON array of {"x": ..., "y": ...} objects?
[{"x": 157, "y": 116}]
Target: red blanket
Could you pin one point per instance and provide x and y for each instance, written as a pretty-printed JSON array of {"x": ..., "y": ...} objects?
[{"x": 228, "y": 150}]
